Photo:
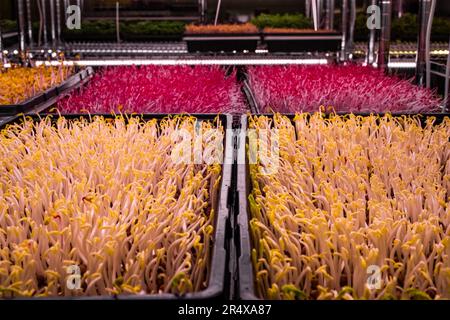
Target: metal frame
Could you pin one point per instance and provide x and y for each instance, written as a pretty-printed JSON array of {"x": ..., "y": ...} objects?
[
  {"x": 219, "y": 2},
  {"x": 202, "y": 6},
  {"x": 44, "y": 20},
  {"x": 399, "y": 8},
  {"x": 328, "y": 14},
  {"x": 308, "y": 8},
  {"x": 316, "y": 14},
  {"x": 58, "y": 20},
  {"x": 446, "y": 75},
  {"x": 344, "y": 13},
  {"x": 118, "y": 21},
  {"x": 52, "y": 21},
  {"x": 351, "y": 27}
]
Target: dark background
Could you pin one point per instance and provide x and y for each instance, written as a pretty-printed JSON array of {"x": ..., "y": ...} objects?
[
  {"x": 186, "y": 7},
  {"x": 256, "y": 6}
]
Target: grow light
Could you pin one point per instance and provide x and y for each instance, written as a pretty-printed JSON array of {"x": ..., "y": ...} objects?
[{"x": 168, "y": 62}]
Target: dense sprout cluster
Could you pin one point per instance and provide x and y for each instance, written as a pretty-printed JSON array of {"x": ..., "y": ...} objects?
[
  {"x": 106, "y": 197},
  {"x": 156, "y": 89},
  {"x": 341, "y": 88},
  {"x": 18, "y": 84},
  {"x": 350, "y": 193}
]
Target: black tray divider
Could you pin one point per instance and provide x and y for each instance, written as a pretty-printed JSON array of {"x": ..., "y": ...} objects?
[
  {"x": 303, "y": 42},
  {"x": 47, "y": 106},
  {"x": 227, "y": 42},
  {"x": 248, "y": 93},
  {"x": 245, "y": 286},
  {"x": 233, "y": 265}
]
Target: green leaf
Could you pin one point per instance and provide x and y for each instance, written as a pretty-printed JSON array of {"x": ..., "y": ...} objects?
[
  {"x": 415, "y": 294},
  {"x": 291, "y": 290},
  {"x": 297, "y": 21}
]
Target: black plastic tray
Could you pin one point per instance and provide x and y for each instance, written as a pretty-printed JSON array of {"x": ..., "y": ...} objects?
[
  {"x": 225, "y": 42},
  {"x": 133, "y": 37},
  {"x": 63, "y": 90},
  {"x": 220, "y": 274},
  {"x": 243, "y": 240},
  {"x": 28, "y": 105},
  {"x": 74, "y": 80},
  {"x": 69, "y": 37},
  {"x": 303, "y": 42}
]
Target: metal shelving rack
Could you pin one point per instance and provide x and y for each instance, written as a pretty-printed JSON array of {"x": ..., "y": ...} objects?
[{"x": 425, "y": 57}]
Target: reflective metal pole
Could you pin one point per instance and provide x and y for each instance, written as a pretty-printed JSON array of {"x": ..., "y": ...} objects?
[
  {"x": 315, "y": 13},
  {"x": 29, "y": 23},
  {"x": 332, "y": 14},
  {"x": 202, "y": 8},
  {"x": 58, "y": 20},
  {"x": 117, "y": 22},
  {"x": 399, "y": 8},
  {"x": 319, "y": 4},
  {"x": 328, "y": 13},
  {"x": 421, "y": 59},
  {"x": 447, "y": 83},
  {"x": 20, "y": 19},
  {"x": 52, "y": 20},
  {"x": 428, "y": 43},
  {"x": 344, "y": 30},
  {"x": 351, "y": 30},
  {"x": 308, "y": 8},
  {"x": 371, "y": 45},
  {"x": 217, "y": 12},
  {"x": 385, "y": 37},
  {"x": 44, "y": 19}
]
